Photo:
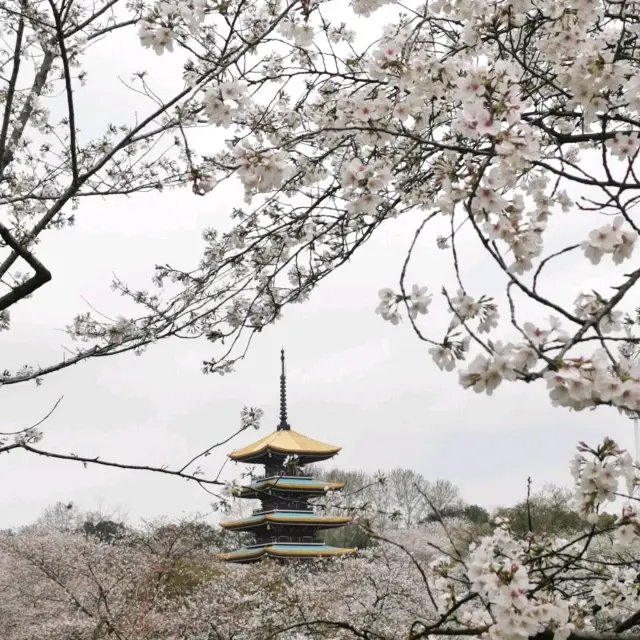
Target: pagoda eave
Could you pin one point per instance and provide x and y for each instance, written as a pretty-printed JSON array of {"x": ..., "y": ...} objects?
[
  {"x": 271, "y": 455},
  {"x": 282, "y": 443},
  {"x": 295, "y": 520},
  {"x": 287, "y": 485},
  {"x": 278, "y": 550}
]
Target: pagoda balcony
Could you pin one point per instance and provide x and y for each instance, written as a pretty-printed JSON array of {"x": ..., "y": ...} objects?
[
  {"x": 269, "y": 539},
  {"x": 286, "y": 539},
  {"x": 299, "y": 485},
  {"x": 284, "y": 550},
  {"x": 264, "y": 512},
  {"x": 286, "y": 519},
  {"x": 278, "y": 476}
]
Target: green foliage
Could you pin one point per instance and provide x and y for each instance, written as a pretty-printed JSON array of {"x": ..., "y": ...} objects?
[
  {"x": 476, "y": 514},
  {"x": 181, "y": 538},
  {"x": 185, "y": 576},
  {"x": 350, "y": 536},
  {"x": 551, "y": 512},
  {"x": 104, "y": 530},
  {"x": 606, "y": 521}
]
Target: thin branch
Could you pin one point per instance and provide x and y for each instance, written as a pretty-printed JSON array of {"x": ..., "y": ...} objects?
[
  {"x": 106, "y": 463},
  {"x": 17, "y": 52},
  {"x": 37, "y": 424},
  {"x": 41, "y": 276},
  {"x": 73, "y": 145},
  {"x": 215, "y": 446}
]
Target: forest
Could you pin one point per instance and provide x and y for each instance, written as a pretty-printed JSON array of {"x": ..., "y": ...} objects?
[
  {"x": 498, "y": 138},
  {"x": 75, "y": 575}
]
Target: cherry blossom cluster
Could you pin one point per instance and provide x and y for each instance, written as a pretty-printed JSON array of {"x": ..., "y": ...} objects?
[
  {"x": 168, "y": 18},
  {"x": 627, "y": 534},
  {"x": 580, "y": 383},
  {"x": 498, "y": 574},
  {"x": 610, "y": 239},
  {"x": 164, "y": 580},
  {"x": 29, "y": 436},
  {"x": 225, "y": 102},
  {"x": 505, "y": 121},
  {"x": 417, "y": 302},
  {"x": 592, "y": 306},
  {"x": 577, "y": 382},
  {"x": 464, "y": 307},
  {"x": 333, "y": 129},
  {"x": 597, "y": 476},
  {"x": 261, "y": 170},
  {"x": 624, "y": 146}
]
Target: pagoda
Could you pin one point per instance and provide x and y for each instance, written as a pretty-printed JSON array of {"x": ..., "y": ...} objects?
[{"x": 286, "y": 524}]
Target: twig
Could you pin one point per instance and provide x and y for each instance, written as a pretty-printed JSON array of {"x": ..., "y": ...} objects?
[{"x": 37, "y": 424}]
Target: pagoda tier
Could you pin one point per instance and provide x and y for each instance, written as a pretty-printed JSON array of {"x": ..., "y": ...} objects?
[
  {"x": 286, "y": 525},
  {"x": 276, "y": 497},
  {"x": 293, "y": 486},
  {"x": 283, "y": 551},
  {"x": 275, "y": 520}
]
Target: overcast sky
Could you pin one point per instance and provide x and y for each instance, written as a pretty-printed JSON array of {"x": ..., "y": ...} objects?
[{"x": 353, "y": 380}]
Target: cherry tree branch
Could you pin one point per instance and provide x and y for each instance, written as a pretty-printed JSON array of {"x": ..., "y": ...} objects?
[
  {"x": 106, "y": 463},
  {"x": 41, "y": 276},
  {"x": 37, "y": 424}
]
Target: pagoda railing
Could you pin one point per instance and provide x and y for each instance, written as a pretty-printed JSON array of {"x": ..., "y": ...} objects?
[
  {"x": 256, "y": 512},
  {"x": 282, "y": 477}
]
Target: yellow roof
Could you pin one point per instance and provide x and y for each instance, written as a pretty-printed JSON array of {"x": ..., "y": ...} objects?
[{"x": 285, "y": 441}]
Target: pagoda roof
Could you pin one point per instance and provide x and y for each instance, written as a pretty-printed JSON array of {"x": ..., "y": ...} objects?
[
  {"x": 284, "y": 550},
  {"x": 285, "y": 441},
  {"x": 287, "y": 483},
  {"x": 286, "y": 517}
]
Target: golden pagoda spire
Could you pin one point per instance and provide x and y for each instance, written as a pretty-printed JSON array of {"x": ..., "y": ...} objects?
[{"x": 284, "y": 425}]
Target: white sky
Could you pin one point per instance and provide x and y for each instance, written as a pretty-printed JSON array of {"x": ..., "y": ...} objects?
[{"x": 353, "y": 380}]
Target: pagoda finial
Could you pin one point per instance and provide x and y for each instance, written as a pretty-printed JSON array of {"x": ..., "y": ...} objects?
[{"x": 284, "y": 425}]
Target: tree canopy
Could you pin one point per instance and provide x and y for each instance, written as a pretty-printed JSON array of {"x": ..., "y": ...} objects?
[{"x": 507, "y": 130}]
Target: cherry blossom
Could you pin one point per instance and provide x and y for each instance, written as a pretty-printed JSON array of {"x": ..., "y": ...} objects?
[
  {"x": 335, "y": 129},
  {"x": 610, "y": 239},
  {"x": 624, "y": 146},
  {"x": 511, "y": 129},
  {"x": 164, "y": 580}
]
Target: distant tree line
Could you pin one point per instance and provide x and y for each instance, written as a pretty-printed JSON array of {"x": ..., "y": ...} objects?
[
  {"x": 401, "y": 499},
  {"x": 111, "y": 528},
  {"x": 404, "y": 498}
]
